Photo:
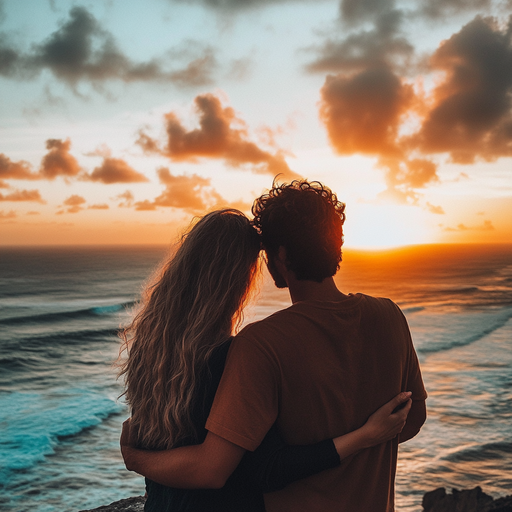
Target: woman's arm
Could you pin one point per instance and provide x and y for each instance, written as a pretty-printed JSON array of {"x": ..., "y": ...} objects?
[{"x": 274, "y": 464}]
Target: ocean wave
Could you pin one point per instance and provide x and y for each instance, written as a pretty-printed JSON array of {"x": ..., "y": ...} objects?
[
  {"x": 463, "y": 290},
  {"x": 34, "y": 423},
  {"x": 440, "y": 332},
  {"x": 484, "y": 452},
  {"x": 414, "y": 309},
  {"x": 61, "y": 316}
]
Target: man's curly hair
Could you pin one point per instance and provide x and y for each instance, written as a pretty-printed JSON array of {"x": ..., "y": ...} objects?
[{"x": 307, "y": 219}]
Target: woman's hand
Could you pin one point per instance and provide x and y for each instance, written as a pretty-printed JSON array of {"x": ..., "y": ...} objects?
[
  {"x": 384, "y": 424},
  {"x": 388, "y": 421},
  {"x": 127, "y": 444}
]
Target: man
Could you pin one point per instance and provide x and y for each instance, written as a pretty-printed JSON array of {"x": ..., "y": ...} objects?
[{"x": 318, "y": 368}]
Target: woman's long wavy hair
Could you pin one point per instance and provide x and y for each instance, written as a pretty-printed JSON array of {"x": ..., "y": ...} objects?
[{"x": 193, "y": 305}]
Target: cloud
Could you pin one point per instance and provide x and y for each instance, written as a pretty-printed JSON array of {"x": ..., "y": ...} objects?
[
  {"x": 230, "y": 6},
  {"x": 23, "y": 195},
  {"x": 444, "y": 8},
  {"x": 438, "y": 210},
  {"x": 11, "y": 214},
  {"x": 99, "y": 207},
  {"x": 115, "y": 170},
  {"x": 362, "y": 112},
  {"x": 216, "y": 138},
  {"x": 361, "y": 10},
  {"x": 58, "y": 161},
  {"x": 14, "y": 170},
  {"x": 126, "y": 199},
  {"x": 382, "y": 45},
  {"x": 74, "y": 203},
  {"x": 193, "y": 194},
  {"x": 82, "y": 50},
  {"x": 471, "y": 115},
  {"x": 486, "y": 226}
]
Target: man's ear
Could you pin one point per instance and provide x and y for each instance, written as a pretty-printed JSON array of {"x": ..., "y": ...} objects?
[{"x": 281, "y": 256}]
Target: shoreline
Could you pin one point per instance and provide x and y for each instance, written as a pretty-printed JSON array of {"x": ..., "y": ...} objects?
[{"x": 438, "y": 500}]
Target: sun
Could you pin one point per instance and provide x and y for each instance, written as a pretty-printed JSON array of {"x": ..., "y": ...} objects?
[{"x": 381, "y": 226}]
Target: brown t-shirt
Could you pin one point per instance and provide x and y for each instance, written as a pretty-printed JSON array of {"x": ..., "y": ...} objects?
[{"x": 320, "y": 369}]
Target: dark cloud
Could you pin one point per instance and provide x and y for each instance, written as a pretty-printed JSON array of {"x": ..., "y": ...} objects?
[
  {"x": 58, "y": 161},
  {"x": 471, "y": 114},
  {"x": 216, "y": 138},
  {"x": 23, "y": 195},
  {"x": 361, "y": 10},
  {"x": 383, "y": 45},
  {"x": 443, "y": 8},
  {"x": 82, "y": 50},
  {"x": 366, "y": 104},
  {"x": 115, "y": 170},
  {"x": 230, "y": 6},
  {"x": 15, "y": 170}
]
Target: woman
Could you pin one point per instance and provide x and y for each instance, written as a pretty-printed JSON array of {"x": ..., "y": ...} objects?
[{"x": 177, "y": 345}]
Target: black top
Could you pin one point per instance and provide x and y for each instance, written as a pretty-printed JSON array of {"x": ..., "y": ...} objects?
[{"x": 272, "y": 466}]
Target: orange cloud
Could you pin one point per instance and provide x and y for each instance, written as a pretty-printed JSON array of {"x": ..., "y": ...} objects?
[
  {"x": 115, "y": 170},
  {"x": 75, "y": 204},
  {"x": 486, "y": 226},
  {"x": 471, "y": 114},
  {"x": 216, "y": 138},
  {"x": 193, "y": 194},
  {"x": 58, "y": 161},
  {"x": 362, "y": 112},
  {"x": 126, "y": 199},
  {"x": 11, "y": 214},
  {"x": 14, "y": 170},
  {"x": 403, "y": 175},
  {"x": 435, "y": 209},
  {"x": 99, "y": 207},
  {"x": 23, "y": 195}
]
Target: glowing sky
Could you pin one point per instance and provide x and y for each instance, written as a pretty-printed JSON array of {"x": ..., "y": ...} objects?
[{"x": 122, "y": 119}]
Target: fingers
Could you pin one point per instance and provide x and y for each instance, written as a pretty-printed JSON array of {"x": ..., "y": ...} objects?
[
  {"x": 402, "y": 414},
  {"x": 399, "y": 401}
]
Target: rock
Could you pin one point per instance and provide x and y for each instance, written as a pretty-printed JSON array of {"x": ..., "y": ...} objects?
[
  {"x": 471, "y": 500},
  {"x": 135, "y": 504}
]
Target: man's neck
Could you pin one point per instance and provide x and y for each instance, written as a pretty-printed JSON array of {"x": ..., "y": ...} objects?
[{"x": 326, "y": 291}]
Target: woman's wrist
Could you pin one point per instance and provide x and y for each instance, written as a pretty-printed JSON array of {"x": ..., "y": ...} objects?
[{"x": 352, "y": 442}]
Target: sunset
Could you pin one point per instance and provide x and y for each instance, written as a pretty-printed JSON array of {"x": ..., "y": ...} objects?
[
  {"x": 126, "y": 130},
  {"x": 122, "y": 120}
]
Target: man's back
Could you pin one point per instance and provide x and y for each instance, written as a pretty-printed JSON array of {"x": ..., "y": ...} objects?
[{"x": 320, "y": 369}]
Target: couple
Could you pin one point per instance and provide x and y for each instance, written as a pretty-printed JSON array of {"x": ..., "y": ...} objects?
[{"x": 307, "y": 406}]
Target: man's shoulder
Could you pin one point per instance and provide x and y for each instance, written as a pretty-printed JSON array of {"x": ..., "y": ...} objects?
[
  {"x": 379, "y": 302},
  {"x": 273, "y": 321}
]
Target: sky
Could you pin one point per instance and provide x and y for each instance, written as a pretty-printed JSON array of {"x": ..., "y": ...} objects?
[{"x": 121, "y": 120}]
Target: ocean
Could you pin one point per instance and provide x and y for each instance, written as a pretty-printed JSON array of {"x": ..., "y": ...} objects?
[{"x": 60, "y": 416}]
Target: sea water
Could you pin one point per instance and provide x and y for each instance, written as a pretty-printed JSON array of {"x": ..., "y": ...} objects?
[{"x": 60, "y": 416}]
